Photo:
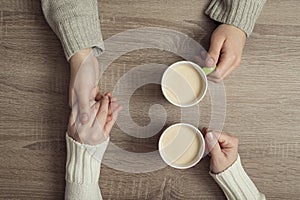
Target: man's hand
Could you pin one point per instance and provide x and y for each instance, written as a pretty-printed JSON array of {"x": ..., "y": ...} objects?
[
  {"x": 226, "y": 48},
  {"x": 83, "y": 83},
  {"x": 223, "y": 149}
]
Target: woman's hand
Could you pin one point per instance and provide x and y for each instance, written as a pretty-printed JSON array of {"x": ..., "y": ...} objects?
[
  {"x": 226, "y": 48},
  {"x": 102, "y": 118},
  {"x": 223, "y": 149}
]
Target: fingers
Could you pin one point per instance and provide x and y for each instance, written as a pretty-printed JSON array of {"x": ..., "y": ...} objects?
[
  {"x": 214, "y": 51},
  {"x": 111, "y": 99},
  {"x": 228, "y": 141},
  {"x": 223, "y": 150},
  {"x": 109, "y": 108},
  {"x": 227, "y": 64},
  {"x": 116, "y": 108},
  {"x": 212, "y": 144},
  {"x": 108, "y": 94},
  {"x": 103, "y": 111},
  {"x": 225, "y": 140},
  {"x": 98, "y": 97},
  {"x": 200, "y": 60},
  {"x": 95, "y": 93},
  {"x": 227, "y": 43}
]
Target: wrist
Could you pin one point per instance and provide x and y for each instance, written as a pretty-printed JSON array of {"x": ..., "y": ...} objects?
[
  {"x": 235, "y": 29},
  {"x": 78, "y": 57},
  {"x": 223, "y": 165},
  {"x": 240, "y": 31},
  {"x": 75, "y": 63},
  {"x": 224, "y": 160}
]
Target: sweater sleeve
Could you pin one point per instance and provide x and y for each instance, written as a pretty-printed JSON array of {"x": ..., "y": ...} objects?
[
  {"x": 76, "y": 23},
  {"x": 239, "y": 13},
  {"x": 83, "y": 170},
  {"x": 236, "y": 184}
]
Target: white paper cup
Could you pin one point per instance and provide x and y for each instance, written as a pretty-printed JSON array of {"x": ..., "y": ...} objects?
[
  {"x": 181, "y": 146},
  {"x": 184, "y": 84}
]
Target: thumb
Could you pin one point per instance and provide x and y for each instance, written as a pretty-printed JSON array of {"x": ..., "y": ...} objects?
[
  {"x": 84, "y": 109},
  {"x": 212, "y": 144},
  {"x": 216, "y": 44}
]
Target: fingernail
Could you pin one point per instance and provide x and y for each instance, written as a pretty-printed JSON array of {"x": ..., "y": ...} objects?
[
  {"x": 84, "y": 118},
  {"x": 210, "y": 137},
  {"x": 210, "y": 62}
]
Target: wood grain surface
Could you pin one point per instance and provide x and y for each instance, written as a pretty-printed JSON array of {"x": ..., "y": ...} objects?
[{"x": 263, "y": 102}]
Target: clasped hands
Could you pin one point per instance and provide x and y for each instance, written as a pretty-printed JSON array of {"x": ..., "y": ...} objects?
[{"x": 93, "y": 115}]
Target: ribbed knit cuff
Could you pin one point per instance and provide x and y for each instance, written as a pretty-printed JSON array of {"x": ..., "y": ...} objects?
[
  {"x": 83, "y": 169},
  {"x": 76, "y": 23},
  {"x": 236, "y": 184},
  {"x": 79, "y": 33},
  {"x": 239, "y": 13}
]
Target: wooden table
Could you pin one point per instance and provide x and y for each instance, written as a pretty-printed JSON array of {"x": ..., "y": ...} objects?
[{"x": 263, "y": 102}]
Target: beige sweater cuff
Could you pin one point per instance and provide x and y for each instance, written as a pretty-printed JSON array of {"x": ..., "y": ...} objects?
[
  {"x": 239, "y": 13},
  {"x": 236, "y": 184},
  {"x": 76, "y": 23},
  {"x": 83, "y": 170}
]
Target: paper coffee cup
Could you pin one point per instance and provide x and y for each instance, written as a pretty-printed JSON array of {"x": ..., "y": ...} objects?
[
  {"x": 181, "y": 146},
  {"x": 184, "y": 83}
]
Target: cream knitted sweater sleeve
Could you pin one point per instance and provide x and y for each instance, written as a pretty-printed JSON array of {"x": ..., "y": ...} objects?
[
  {"x": 236, "y": 184},
  {"x": 239, "y": 13},
  {"x": 83, "y": 170},
  {"x": 76, "y": 23}
]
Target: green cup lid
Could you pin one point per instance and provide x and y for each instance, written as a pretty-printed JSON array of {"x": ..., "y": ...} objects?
[{"x": 208, "y": 70}]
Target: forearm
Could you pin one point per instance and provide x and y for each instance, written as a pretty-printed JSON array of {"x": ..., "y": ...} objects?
[
  {"x": 83, "y": 170},
  {"x": 76, "y": 23},
  {"x": 236, "y": 184},
  {"x": 239, "y": 13}
]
